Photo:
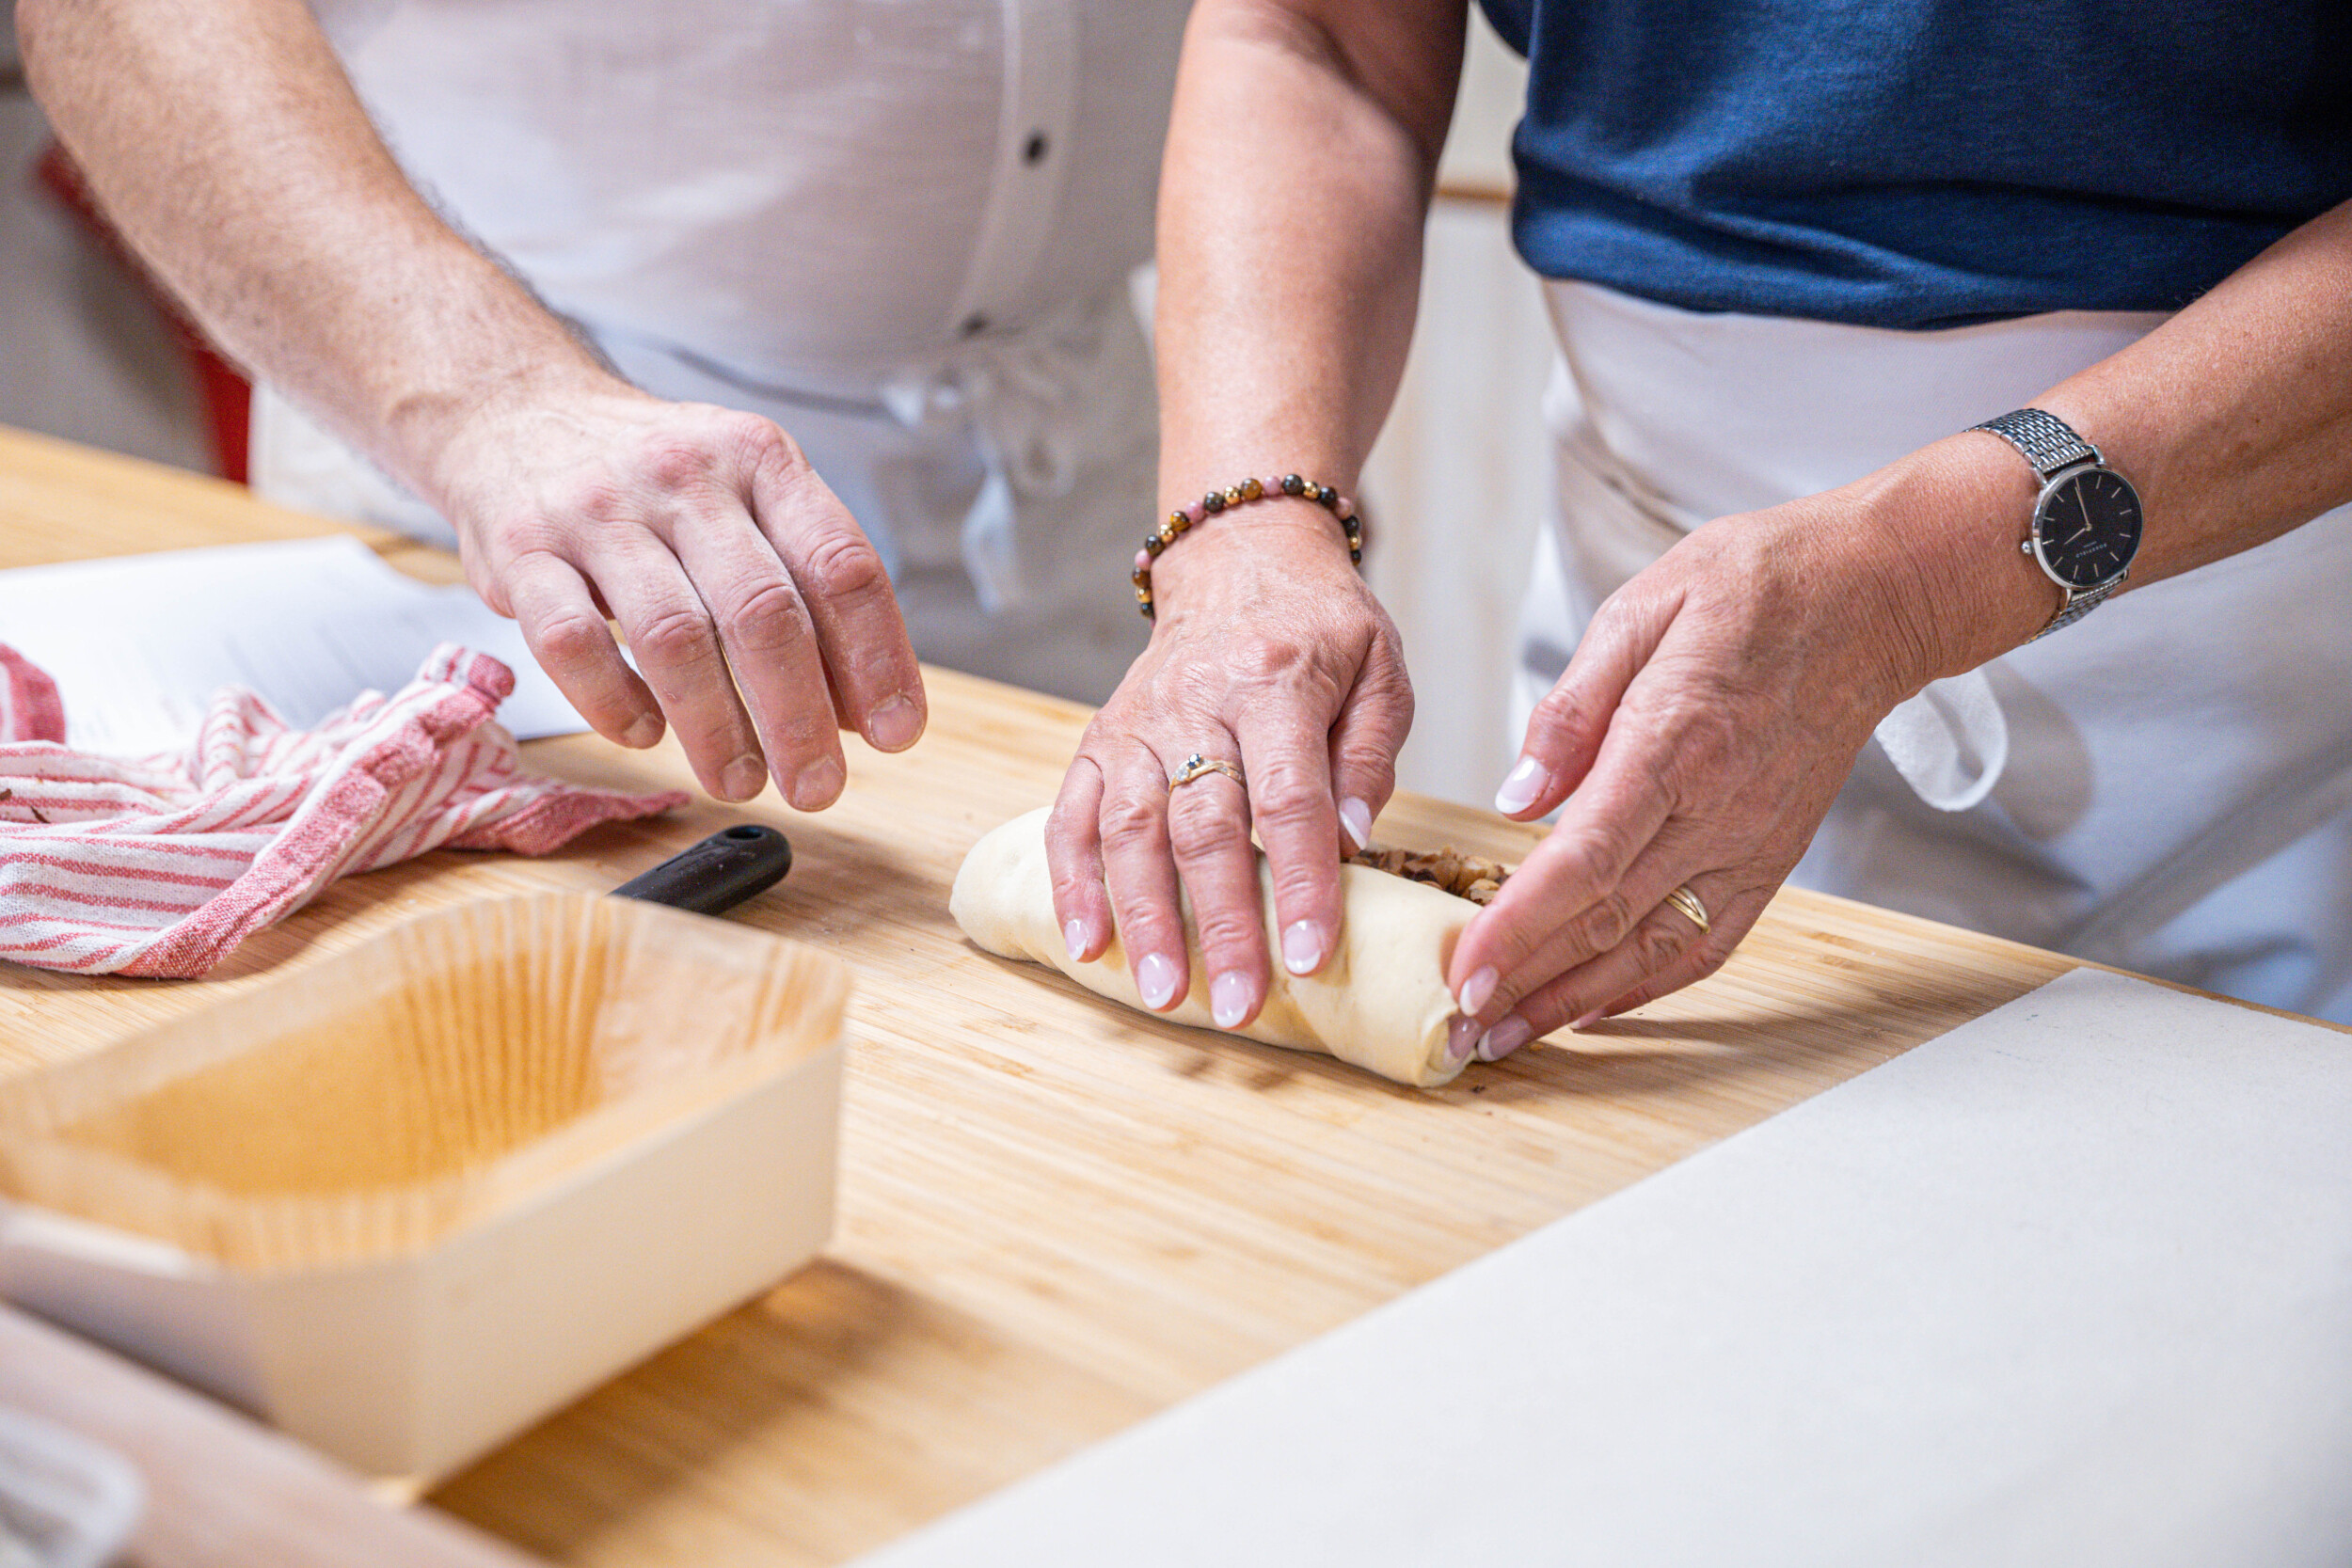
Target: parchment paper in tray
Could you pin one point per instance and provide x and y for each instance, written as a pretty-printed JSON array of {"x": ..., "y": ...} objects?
[{"x": 408, "y": 1200}]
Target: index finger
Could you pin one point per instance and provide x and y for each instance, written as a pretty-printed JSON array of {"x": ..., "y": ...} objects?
[
  {"x": 1570, "y": 725},
  {"x": 1574, "y": 878}
]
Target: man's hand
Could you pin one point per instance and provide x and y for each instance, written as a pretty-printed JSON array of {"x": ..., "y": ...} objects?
[
  {"x": 223, "y": 138},
  {"x": 757, "y": 614}
]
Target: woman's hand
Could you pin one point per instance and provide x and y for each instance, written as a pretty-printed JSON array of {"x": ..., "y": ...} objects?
[
  {"x": 1271, "y": 654},
  {"x": 760, "y": 618},
  {"x": 1708, "y": 716}
]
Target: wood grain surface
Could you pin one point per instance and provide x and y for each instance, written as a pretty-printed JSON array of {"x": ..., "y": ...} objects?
[{"x": 1056, "y": 1216}]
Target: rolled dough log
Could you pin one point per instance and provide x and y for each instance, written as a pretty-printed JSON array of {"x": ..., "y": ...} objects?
[{"x": 1380, "y": 1003}]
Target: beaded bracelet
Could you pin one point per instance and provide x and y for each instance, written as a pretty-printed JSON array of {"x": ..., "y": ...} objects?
[{"x": 1242, "y": 495}]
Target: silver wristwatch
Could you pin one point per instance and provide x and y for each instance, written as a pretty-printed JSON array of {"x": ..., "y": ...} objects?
[{"x": 2087, "y": 524}]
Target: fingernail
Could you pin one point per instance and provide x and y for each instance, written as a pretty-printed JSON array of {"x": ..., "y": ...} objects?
[
  {"x": 1461, "y": 1037},
  {"x": 896, "y": 725},
  {"x": 817, "y": 786},
  {"x": 742, "y": 777},
  {"x": 643, "y": 731},
  {"x": 1074, "y": 936},
  {"x": 1588, "y": 1019},
  {"x": 1302, "y": 947},
  {"x": 1156, "y": 977},
  {"x": 1229, "y": 998},
  {"x": 1520, "y": 790},
  {"x": 1504, "y": 1039},
  {"x": 1355, "y": 822},
  {"x": 1478, "y": 989}
]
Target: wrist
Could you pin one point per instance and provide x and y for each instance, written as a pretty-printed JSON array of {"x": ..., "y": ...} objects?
[
  {"x": 1271, "y": 501},
  {"x": 1950, "y": 517},
  {"x": 492, "y": 356},
  {"x": 1288, "y": 536}
]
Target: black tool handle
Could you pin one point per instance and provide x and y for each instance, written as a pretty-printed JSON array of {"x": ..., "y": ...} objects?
[{"x": 722, "y": 871}]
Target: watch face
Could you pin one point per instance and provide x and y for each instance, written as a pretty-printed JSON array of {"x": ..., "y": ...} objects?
[{"x": 2088, "y": 527}]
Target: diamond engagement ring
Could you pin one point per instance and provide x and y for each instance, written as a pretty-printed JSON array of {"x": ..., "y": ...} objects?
[{"x": 1196, "y": 765}]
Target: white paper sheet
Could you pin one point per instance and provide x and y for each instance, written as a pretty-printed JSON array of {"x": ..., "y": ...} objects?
[
  {"x": 2071, "y": 1285},
  {"x": 137, "y": 644}
]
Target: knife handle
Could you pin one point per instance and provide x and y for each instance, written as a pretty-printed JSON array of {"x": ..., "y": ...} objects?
[{"x": 714, "y": 876}]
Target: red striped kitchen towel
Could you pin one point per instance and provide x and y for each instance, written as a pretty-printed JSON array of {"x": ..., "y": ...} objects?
[{"x": 159, "y": 865}]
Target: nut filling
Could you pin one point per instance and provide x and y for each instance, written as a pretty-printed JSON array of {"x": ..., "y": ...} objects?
[{"x": 1463, "y": 876}]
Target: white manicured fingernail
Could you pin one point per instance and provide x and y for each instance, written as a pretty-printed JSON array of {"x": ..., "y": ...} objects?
[
  {"x": 1302, "y": 947},
  {"x": 1587, "y": 1020},
  {"x": 1461, "y": 1037},
  {"x": 1520, "y": 790},
  {"x": 1156, "y": 977},
  {"x": 1504, "y": 1039},
  {"x": 1074, "y": 936},
  {"x": 1229, "y": 998},
  {"x": 1355, "y": 822},
  {"x": 1478, "y": 989}
]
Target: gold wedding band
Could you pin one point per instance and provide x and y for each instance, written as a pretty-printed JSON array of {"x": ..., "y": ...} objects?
[
  {"x": 1197, "y": 764},
  {"x": 1683, "y": 899}
]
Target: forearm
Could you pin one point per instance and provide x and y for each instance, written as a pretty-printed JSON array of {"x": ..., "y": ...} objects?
[
  {"x": 1300, "y": 164},
  {"x": 225, "y": 141},
  {"x": 2233, "y": 420}
]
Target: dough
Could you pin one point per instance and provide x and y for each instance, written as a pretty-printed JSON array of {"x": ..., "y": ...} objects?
[{"x": 1380, "y": 1003}]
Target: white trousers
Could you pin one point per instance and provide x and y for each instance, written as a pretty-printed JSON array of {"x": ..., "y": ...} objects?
[
  {"x": 2165, "y": 785},
  {"x": 1007, "y": 489}
]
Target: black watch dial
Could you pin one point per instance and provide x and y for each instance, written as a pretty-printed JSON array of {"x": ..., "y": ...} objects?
[{"x": 2087, "y": 528}]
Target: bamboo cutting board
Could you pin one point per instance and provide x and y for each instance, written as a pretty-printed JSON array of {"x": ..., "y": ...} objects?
[{"x": 1056, "y": 1217}]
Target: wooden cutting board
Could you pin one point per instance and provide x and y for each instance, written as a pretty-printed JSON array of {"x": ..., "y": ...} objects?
[
  {"x": 1056, "y": 1216},
  {"x": 221, "y": 1492}
]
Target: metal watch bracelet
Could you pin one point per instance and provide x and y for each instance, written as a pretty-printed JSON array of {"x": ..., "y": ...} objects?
[{"x": 2050, "y": 447}]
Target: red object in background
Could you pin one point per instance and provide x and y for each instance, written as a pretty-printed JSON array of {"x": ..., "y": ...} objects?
[{"x": 222, "y": 389}]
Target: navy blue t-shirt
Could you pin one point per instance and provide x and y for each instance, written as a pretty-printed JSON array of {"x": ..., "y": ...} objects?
[{"x": 1923, "y": 163}]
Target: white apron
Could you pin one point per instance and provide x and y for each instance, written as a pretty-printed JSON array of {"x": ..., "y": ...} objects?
[
  {"x": 2165, "y": 785},
  {"x": 903, "y": 231}
]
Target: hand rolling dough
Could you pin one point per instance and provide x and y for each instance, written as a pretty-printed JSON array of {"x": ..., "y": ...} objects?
[{"x": 1380, "y": 1003}]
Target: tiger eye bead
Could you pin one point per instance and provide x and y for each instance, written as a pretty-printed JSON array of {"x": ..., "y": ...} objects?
[{"x": 1250, "y": 488}]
